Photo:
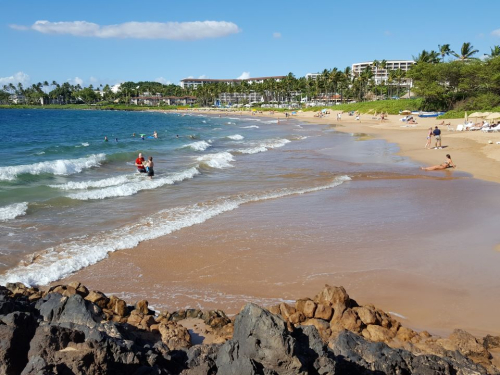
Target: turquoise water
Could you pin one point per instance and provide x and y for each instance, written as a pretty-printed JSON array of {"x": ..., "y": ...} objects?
[{"x": 67, "y": 194}]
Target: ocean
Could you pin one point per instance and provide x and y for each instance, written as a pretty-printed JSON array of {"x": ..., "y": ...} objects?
[
  {"x": 68, "y": 198},
  {"x": 242, "y": 208}
]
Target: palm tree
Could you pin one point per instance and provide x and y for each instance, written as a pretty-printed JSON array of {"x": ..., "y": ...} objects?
[
  {"x": 399, "y": 74},
  {"x": 444, "y": 50},
  {"x": 426, "y": 57},
  {"x": 466, "y": 52},
  {"x": 495, "y": 51}
]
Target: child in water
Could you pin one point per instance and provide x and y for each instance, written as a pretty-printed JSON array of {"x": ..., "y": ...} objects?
[{"x": 149, "y": 167}]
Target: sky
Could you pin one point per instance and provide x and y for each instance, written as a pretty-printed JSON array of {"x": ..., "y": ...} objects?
[{"x": 108, "y": 42}]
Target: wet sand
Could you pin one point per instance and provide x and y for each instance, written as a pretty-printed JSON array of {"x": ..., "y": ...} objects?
[
  {"x": 423, "y": 246},
  {"x": 433, "y": 263}
]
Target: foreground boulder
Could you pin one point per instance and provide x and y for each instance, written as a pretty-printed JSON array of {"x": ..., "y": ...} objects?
[{"x": 69, "y": 330}]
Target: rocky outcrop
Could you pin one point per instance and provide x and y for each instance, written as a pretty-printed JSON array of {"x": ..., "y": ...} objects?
[{"x": 71, "y": 330}]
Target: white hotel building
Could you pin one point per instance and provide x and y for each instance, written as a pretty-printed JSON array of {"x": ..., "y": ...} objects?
[{"x": 382, "y": 75}]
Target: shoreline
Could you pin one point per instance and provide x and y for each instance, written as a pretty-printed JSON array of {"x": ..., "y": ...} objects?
[
  {"x": 408, "y": 140},
  {"x": 470, "y": 150},
  {"x": 163, "y": 252}
]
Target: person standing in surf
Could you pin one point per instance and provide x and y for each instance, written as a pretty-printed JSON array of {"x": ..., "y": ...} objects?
[
  {"x": 149, "y": 167},
  {"x": 139, "y": 163}
]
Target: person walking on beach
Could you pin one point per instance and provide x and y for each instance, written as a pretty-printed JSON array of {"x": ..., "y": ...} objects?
[
  {"x": 437, "y": 135},
  {"x": 139, "y": 163},
  {"x": 429, "y": 138},
  {"x": 447, "y": 164},
  {"x": 149, "y": 167}
]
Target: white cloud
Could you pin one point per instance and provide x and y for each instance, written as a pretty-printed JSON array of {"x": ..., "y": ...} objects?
[
  {"x": 190, "y": 77},
  {"x": 162, "y": 81},
  {"x": 244, "y": 75},
  {"x": 93, "y": 80},
  {"x": 116, "y": 88},
  {"x": 15, "y": 79},
  {"x": 19, "y": 27},
  {"x": 496, "y": 32},
  {"x": 203, "y": 76},
  {"x": 137, "y": 30},
  {"x": 75, "y": 81},
  {"x": 277, "y": 35}
]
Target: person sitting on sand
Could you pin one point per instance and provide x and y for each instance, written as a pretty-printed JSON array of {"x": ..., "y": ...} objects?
[
  {"x": 411, "y": 121},
  {"x": 447, "y": 164}
]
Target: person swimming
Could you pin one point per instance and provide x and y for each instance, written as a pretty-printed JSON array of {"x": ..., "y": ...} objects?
[
  {"x": 105, "y": 138},
  {"x": 155, "y": 134}
]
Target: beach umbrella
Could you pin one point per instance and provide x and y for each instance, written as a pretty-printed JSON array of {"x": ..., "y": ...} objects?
[
  {"x": 493, "y": 116},
  {"x": 465, "y": 117},
  {"x": 479, "y": 114}
]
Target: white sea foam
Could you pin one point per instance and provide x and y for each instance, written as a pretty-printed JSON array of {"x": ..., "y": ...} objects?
[
  {"x": 58, "y": 262},
  {"x": 398, "y": 315},
  {"x": 81, "y": 185},
  {"x": 85, "y": 144},
  {"x": 56, "y": 167},
  {"x": 250, "y": 127},
  {"x": 235, "y": 137},
  {"x": 12, "y": 211},
  {"x": 198, "y": 146},
  {"x": 219, "y": 160},
  {"x": 264, "y": 146},
  {"x": 131, "y": 188}
]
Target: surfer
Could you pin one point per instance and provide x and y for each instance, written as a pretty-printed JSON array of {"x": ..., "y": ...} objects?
[
  {"x": 139, "y": 163},
  {"x": 155, "y": 134},
  {"x": 105, "y": 138}
]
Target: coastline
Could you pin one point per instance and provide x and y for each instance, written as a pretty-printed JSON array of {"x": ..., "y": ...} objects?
[
  {"x": 251, "y": 254},
  {"x": 470, "y": 150},
  {"x": 170, "y": 254}
]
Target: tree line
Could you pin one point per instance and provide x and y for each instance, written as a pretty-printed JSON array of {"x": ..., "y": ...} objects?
[{"x": 462, "y": 82}]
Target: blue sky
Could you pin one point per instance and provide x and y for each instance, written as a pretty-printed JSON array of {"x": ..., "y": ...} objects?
[{"x": 257, "y": 38}]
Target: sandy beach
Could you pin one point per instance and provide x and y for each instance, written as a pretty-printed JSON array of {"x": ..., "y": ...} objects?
[
  {"x": 470, "y": 150},
  {"x": 279, "y": 250}
]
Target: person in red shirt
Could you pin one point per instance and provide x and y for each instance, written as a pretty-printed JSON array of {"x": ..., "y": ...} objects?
[{"x": 139, "y": 164}]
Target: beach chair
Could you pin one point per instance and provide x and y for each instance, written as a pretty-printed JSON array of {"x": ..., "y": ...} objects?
[{"x": 460, "y": 128}]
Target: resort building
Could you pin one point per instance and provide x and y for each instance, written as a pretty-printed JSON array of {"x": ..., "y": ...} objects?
[
  {"x": 163, "y": 100},
  {"x": 195, "y": 82},
  {"x": 382, "y": 75},
  {"x": 312, "y": 75}
]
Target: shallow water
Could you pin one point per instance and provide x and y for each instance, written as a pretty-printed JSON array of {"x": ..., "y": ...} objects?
[{"x": 255, "y": 211}]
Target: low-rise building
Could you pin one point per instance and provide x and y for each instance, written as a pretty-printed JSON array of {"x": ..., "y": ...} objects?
[
  {"x": 196, "y": 82},
  {"x": 17, "y": 99},
  {"x": 157, "y": 100}
]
